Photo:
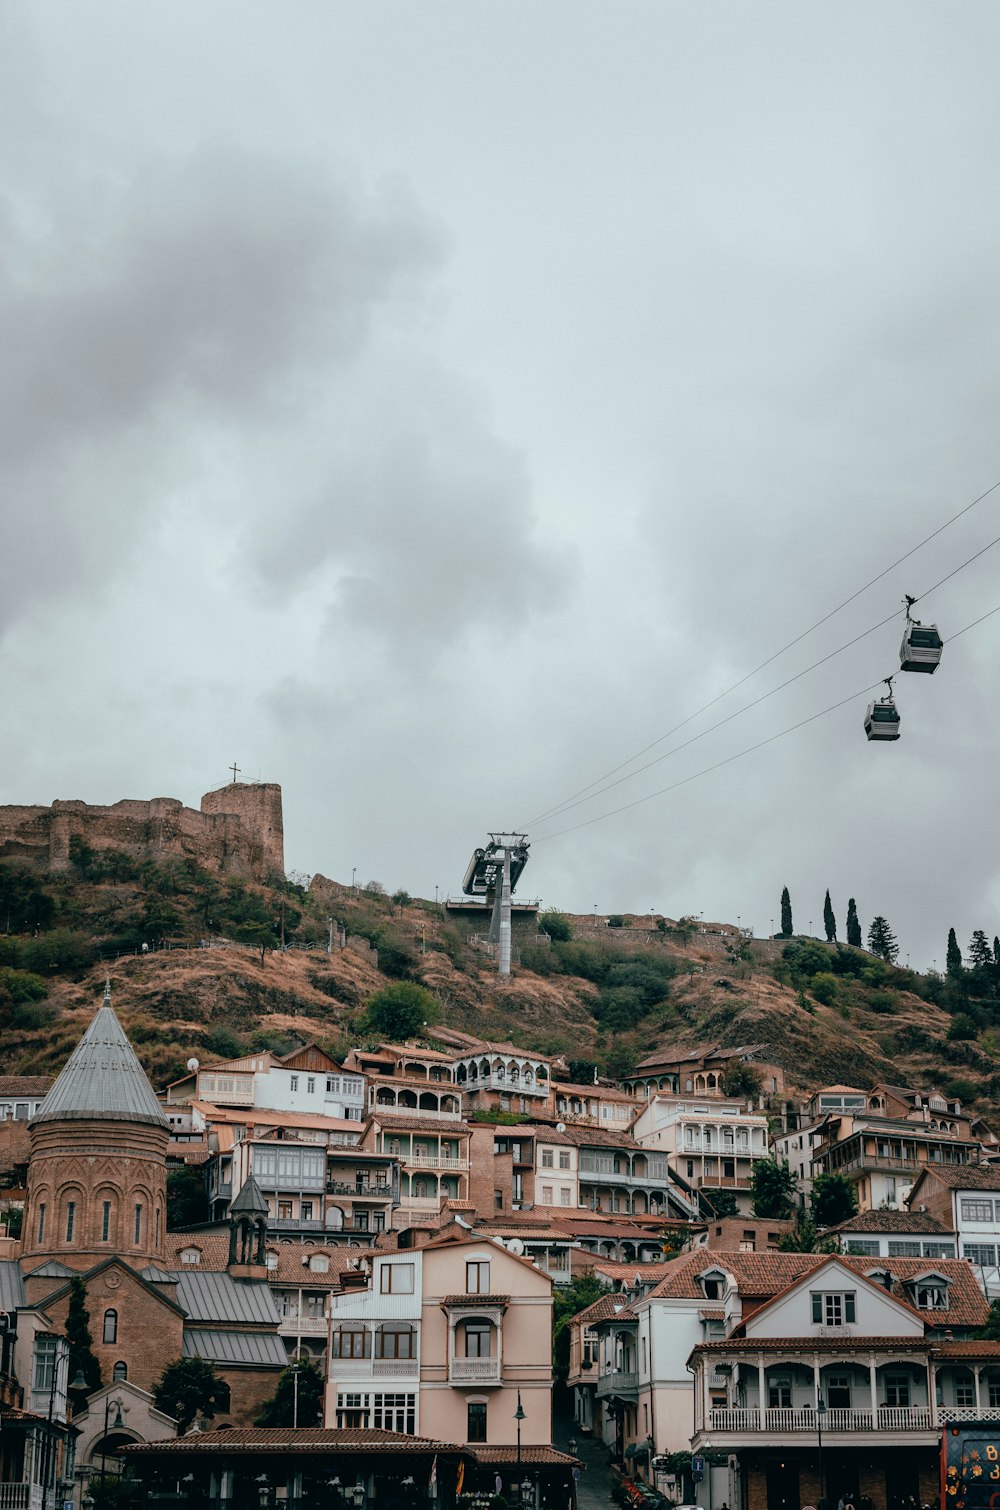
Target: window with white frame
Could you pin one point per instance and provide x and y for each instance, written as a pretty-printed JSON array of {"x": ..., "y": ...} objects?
[
  {"x": 838, "y": 1391},
  {"x": 932, "y": 1297},
  {"x": 867, "y": 1247},
  {"x": 903, "y": 1248},
  {"x": 897, "y": 1390},
  {"x": 976, "y": 1210},
  {"x": 833, "y": 1308},
  {"x": 396, "y": 1412},
  {"x": 965, "y": 1391},
  {"x": 984, "y": 1254},
  {"x": 352, "y": 1411}
]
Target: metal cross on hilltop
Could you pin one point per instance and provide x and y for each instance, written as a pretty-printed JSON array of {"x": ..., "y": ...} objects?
[{"x": 235, "y": 770}]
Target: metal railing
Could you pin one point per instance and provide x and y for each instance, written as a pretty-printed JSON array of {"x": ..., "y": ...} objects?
[{"x": 617, "y": 1382}]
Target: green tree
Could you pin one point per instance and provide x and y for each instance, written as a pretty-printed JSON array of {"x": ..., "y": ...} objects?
[
  {"x": 722, "y": 1203},
  {"x": 829, "y": 921},
  {"x": 568, "y": 1301},
  {"x": 882, "y": 941},
  {"x": 187, "y": 1199},
  {"x": 401, "y": 899},
  {"x": 961, "y": 1027},
  {"x": 833, "y": 1200},
  {"x": 853, "y": 925},
  {"x": 556, "y": 925},
  {"x": 953, "y": 956},
  {"x": 187, "y": 1387},
  {"x": 773, "y": 1188},
  {"x": 401, "y": 1010},
  {"x": 991, "y": 1331},
  {"x": 81, "y": 1344},
  {"x": 741, "y": 1079},
  {"x": 786, "y": 914},
  {"x": 804, "y": 1237},
  {"x": 281, "y": 1409},
  {"x": 980, "y": 954}
]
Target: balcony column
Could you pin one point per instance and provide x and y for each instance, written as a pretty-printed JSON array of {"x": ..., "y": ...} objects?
[
  {"x": 815, "y": 1380},
  {"x": 761, "y": 1387},
  {"x": 873, "y": 1387},
  {"x": 975, "y": 1374}
]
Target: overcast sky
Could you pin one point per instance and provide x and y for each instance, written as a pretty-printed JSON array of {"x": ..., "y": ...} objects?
[{"x": 430, "y": 406}]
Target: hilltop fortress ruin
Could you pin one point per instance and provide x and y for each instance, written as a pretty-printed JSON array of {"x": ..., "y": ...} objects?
[{"x": 237, "y": 831}]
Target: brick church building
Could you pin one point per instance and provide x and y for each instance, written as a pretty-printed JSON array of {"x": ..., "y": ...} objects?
[{"x": 96, "y": 1208}]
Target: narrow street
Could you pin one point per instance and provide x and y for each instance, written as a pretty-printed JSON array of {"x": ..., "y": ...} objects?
[{"x": 594, "y": 1487}]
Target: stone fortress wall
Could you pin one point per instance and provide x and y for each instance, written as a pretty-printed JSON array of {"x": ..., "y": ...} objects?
[{"x": 238, "y": 830}]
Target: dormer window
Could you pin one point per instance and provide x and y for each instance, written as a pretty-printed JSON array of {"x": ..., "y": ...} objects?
[
  {"x": 932, "y": 1297},
  {"x": 713, "y": 1284}
]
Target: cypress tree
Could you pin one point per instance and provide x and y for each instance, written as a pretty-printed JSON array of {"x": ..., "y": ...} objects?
[
  {"x": 853, "y": 926},
  {"x": 953, "y": 955},
  {"x": 786, "y": 914},
  {"x": 81, "y": 1344},
  {"x": 829, "y": 921}
]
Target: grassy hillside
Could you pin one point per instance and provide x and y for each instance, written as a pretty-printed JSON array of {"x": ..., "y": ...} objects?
[{"x": 604, "y": 998}]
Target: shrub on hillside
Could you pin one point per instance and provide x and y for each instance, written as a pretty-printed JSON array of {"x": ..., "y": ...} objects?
[
  {"x": 59, "y": 950},
  {"x": 21, "y": 986},
  {"x": 398, "y": 1012},
  {"x": 824, "y": 988},
  {"x": 556, "y": 925},
  {"x": 961, "y": 1025}
]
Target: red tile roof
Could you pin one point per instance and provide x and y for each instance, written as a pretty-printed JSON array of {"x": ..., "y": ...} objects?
[{"x": 269, "y": 1439}]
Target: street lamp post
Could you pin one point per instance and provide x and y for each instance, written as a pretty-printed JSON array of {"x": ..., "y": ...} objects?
[
  {"x": 116, "y": 1425},
  {"x": 519, "y": 1417},
  {"x": 296, "y": 1369},
  {"x": 820, "y": 1413}
]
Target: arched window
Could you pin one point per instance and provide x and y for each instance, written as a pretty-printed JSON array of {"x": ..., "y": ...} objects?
[
  {"x": 110, "y": 1326},
  {"x": 119, "y": 1372}
]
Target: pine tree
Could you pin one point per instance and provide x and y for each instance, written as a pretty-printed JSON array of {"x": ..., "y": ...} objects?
[
  {"x": 829, "y": 921},
  {"x": 882, "y": 941},
  {"x": 953, "y": 955},
  {"x": 853, "y": 926},
  {"x": 980, "y": 954},
  {"x": 996, "y": 949},
  {"x": 81, "y": 1344},
  {"x": 786, "y": 914}
]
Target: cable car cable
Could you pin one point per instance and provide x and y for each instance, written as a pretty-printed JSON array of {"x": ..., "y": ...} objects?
[
  {"x": 586, "y": 795},
  {"x": 558, "y": 806},
  {"x": 707, "y": 770}
]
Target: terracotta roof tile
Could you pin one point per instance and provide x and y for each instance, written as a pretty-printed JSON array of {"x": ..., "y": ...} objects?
[
  {"x": 283, "y": 1439},
  {"x": 608, "y": 1308},
  {"x": 892, "y": 1221},
  {"x": 965, "y": 1176}
]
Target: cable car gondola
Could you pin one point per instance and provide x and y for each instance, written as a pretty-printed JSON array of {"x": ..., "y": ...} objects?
[
  {"x": 882, "y": 718},
  {"x": 922, "y": 645}
]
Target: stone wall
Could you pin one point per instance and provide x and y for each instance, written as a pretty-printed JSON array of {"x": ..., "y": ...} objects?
[{"x": 238, "y": 830}]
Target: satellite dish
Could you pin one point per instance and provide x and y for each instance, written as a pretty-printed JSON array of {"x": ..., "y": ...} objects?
[
  {"x": 192, "y": 1064},
  {"x": 516, "y": 1246},
  {"x": 560, "y": 1127}
]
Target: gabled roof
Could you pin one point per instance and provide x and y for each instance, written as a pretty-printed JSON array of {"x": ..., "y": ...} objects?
[
  {"x": 11, "y": 1286},
  {"x": 836, "y": 1261},
  {"x": 961, "y": 1176},
  {"x": 608, "y": 1308},
  {"x": 886, "y": 1221},
  {"x": 207, "y": 1296},
  {"x": 25, "y": 1085},
  {"x": 102, "y": 1079}
]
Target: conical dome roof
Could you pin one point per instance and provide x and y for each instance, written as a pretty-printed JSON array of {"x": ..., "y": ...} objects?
[{"x": 102, "y": 1079}]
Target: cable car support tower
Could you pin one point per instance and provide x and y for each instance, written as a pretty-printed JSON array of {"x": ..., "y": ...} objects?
[{"x": 494, "y": 872}]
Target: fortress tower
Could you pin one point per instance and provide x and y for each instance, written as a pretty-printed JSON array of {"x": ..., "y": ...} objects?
[
  {"x": 258, "y": 807},
  {"x": 97, "y": 1173}
]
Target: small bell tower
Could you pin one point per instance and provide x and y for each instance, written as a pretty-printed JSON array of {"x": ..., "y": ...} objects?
[{"x": 248, "y": 1233}]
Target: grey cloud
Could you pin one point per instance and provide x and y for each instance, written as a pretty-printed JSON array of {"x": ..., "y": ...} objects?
[{"x": 202, "y": 293}]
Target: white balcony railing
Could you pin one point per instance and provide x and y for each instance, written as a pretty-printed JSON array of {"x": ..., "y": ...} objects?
[
  {"x": 617, "y": 1382},
  {"x": 474, "y": 1371},
  {"x": 434, "y": 1160},
  {"x": 346, "y": 1369},
  {"x": 747, "y": 1419},
  {"x": 948, "y": 1413},
  {"x": 20, "y": 1496}
]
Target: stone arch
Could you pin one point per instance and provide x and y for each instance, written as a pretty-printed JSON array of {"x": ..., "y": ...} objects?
[
  {"x": 71, "y": 1214},
  {"x": 106, "y": 1192}
]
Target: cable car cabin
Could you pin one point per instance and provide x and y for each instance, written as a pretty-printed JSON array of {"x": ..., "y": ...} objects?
[
  {"x": 882, "y": 719},
  {"x": 921, "y": 647}
]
